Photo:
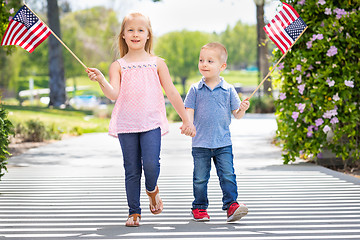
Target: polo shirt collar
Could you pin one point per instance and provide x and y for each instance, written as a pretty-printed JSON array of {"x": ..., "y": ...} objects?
[{"x": 221, "y": 84}]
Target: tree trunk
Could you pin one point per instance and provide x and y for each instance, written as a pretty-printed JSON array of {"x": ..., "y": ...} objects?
[
  {"x": 183, "y": 83},
  {"x": 262, "y": 47},
  {"x": 56, "y": 61}
]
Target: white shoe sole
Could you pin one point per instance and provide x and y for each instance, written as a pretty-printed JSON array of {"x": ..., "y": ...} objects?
[{"x": 238, "y": 214}]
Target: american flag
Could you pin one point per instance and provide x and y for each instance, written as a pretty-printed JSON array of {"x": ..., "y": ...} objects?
[
  {"x": 25, "y": 30},
  {"x": 285, "y": 27}
]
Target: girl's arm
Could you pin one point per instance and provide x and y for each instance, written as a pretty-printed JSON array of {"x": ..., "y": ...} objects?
[
  {"x": 174, "y": 97},
  {"x": 110, "y": 89}
]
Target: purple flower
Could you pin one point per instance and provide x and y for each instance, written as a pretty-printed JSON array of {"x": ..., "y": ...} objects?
[
  {"x": 311, "y": 67},
  {"x": 301, "y": 107},
  {"x": 282, "y": 96},
  {"x": 299, "y": 79},
  {"x": 301, "y": 2},
  {"x": 298, "y": 67},
  {"x": 332, "y": 51},
  {"x": 321, "y": 2},
  {"x": 11, "y": 11},
  {"x": 295, "y": 116},
  {"x": 334, "y": 120},
  {"x": 309, "y": 44},
  {"x": 310, "y": 130},
  {"x": 336, "y": 97},
  {"x": 319, "y": 122},
  {"x": 326, "y": 129},
  {"x": 330, "y": 82},
  {"x": 328, "y": 11},
  {"x": 301, "y": 88},
  {"x": 281, "y": 66},
  {"x": 349, "y": 83},
  {"x": 308, "y": 75},
  {"x": 10, "y": 18},
  {"x": 339, "y": 12},
  {"x": 319, "y": 155},
  {"x": 329, "y": 113},
  {"x": 320, "y": 36}
]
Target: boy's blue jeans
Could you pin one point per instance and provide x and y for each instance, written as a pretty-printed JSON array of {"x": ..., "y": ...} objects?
[
  {"x": 140, "y": 151},
  {"x": 223, "y": 160}
]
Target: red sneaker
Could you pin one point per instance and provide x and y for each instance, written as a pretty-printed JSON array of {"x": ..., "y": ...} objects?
[
  {"x": 200, "y": 215},
  {"x": 236, "y": 212}
]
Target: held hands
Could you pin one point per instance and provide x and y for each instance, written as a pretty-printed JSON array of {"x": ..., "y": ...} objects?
[{"x": 188, "y": 129}]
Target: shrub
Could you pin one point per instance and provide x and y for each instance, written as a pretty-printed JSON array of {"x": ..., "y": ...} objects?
[
  {"x": 6, "y": 129},
  {"x": 319, "y": 105},
  {"x": 34, "y": 130}
]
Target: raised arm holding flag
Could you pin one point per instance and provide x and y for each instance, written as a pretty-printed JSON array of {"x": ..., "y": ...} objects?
[{"x": 284, "y": 30}]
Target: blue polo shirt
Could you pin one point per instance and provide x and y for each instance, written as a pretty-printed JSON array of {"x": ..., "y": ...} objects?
[{"x": 212, "y": 113}]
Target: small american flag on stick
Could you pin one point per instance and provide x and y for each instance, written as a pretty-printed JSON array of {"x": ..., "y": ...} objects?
[
  {"x": 285, "y": 27},
  {"x": 25, "y": 30},
  {"x": 284, "y": 30}
]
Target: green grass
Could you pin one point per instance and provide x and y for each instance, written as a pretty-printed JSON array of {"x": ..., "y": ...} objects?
[{"x": 68, "y": 121}]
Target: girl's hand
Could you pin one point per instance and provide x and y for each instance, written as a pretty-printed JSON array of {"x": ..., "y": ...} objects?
[
  {"x": 95, "y": 75},
  {"x": 188, "y": 129}
]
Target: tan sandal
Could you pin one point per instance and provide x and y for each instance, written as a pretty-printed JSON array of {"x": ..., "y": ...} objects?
[
  {"x": 152, "y": 198},
  {"x": 134, "y": 217}
]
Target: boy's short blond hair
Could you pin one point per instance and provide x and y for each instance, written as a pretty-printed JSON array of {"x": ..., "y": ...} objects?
[{"x": 223, "y": 55}]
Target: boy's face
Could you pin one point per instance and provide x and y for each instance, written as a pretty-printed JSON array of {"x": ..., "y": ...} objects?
[{"x": 210, "y": 63}]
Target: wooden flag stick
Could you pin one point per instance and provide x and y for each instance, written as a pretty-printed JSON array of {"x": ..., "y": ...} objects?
[
  {"x": 60, "y": 41},
  {"x": 257, "y": 88}
]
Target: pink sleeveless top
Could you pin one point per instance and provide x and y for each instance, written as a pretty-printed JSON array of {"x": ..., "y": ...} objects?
[{"x": 140, "y": 106}]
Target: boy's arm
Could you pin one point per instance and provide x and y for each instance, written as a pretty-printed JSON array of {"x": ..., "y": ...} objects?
[
  {"x": 190, "y": 113},
  {"x": 240, "y": 112}
]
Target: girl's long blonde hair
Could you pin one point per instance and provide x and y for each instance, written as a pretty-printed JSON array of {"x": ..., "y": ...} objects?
[{"x": 123, "y": 47}]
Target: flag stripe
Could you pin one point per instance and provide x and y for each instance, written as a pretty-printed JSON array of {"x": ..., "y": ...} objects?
[
  {"x": 17, "y": 31},
  {"x": 32, "y": 37},
  {"x": 290, "y": 9},
  {"x": 39, "y": 33},
  {"x": 281, "y": 34},
  {"x": 269, "y": 32},
  {"x": 9, "y": 32}
]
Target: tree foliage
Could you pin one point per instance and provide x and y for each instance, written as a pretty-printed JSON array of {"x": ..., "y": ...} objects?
[
  {"x": 181, "y": 52},
  {"x": 240, "y": 42},
  {"x": 319, "y": 105}
]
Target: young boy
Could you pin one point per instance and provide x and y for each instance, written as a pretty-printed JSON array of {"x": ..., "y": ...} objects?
[{"x": 209, "y": 104}]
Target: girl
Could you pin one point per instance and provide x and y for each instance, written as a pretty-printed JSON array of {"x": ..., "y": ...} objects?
[{"x": 139, "y": 116}]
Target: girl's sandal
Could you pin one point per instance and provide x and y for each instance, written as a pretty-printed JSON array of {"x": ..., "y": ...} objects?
[
  {"x": 155, "y": 199},
  {"x": 135, "y": 222}
]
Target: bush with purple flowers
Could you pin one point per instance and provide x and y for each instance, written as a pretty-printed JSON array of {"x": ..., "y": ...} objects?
[{"x": 319, "y": 104}]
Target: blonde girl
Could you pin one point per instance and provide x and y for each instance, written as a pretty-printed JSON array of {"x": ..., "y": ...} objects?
[{"x": 139, "y": 116}]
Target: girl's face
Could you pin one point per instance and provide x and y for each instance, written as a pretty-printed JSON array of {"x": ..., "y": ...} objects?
[{"x": 136, "y": 33}]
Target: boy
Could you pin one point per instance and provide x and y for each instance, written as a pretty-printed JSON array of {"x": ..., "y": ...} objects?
[{"x": 209, "y": 104}]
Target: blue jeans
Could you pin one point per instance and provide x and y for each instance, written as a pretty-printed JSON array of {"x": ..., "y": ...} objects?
[
  {"x": 140, "y": 151},
  {"x": 223, "y": 160}
]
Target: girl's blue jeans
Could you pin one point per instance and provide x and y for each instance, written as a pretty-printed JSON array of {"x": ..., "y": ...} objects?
[
  {"x": 223, "y": 160},
  {"x": 140, "y": 151}
]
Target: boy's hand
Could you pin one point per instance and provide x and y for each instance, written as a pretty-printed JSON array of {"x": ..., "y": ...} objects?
[
  {"x": 188, "y": 129},
  {"x": 244, "y": 105}
]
